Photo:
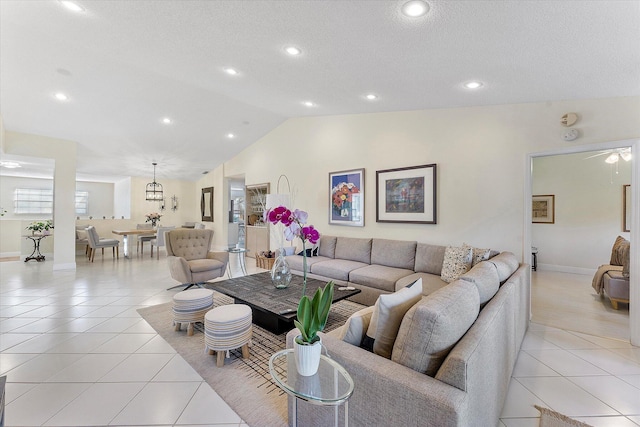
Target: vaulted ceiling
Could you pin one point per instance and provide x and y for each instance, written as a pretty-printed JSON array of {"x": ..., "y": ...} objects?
[{"x": 124, "y": 66}]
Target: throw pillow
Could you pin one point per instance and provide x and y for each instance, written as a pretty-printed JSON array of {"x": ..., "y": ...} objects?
[
  {"x": 457, "y": 261},
  {"x": 387, "y": 317},
  {"x": 626, "y": 255},
  {"x": 356, "y": 326},
  {"x": 308, "y": 251},
  {"x": 478, "y": 254},
  {"x": 82, "y": 234},
  {"x": 617, "y": 256},
  {"x": 289, "y": 250}
]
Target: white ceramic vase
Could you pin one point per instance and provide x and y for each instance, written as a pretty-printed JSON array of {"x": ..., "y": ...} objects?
[{"x": 307, "y": 357}]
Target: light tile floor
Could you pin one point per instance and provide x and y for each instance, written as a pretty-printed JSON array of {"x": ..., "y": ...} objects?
[{"x": 77, "y": 353}]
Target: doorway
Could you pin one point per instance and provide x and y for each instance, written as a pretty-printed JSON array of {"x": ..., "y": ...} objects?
[{"x": 569, "y": 252}]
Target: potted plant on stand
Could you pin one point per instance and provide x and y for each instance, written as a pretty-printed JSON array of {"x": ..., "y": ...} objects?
[
  {"x": 312, "y": 318},
  {"x": 40, "y": 227}
]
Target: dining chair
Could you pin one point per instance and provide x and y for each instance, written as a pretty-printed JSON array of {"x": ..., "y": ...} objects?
[
  {"x": 144, "y": 237},
  {"x": 96, "y": 242},
  {"x": 158, "y": 242}
]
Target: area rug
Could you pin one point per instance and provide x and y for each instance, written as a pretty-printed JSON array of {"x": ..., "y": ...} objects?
[
  {"x": 549, "y": 418},
  {"x": 245, "y": 384}
]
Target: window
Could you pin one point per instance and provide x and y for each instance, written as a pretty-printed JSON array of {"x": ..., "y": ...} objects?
[{"x": 40, "y": 201}]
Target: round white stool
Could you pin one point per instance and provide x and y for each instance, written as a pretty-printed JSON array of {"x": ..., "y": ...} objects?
[
  {"x": 190, "y": 306},
  {"x": 225, "y": 328}
]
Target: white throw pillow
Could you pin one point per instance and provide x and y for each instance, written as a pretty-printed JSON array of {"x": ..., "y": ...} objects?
[
  {"x": 356, "y": 326},
  {"x": 82, "y": 234},
  {"x": 387, "y": 317},
  {"x": 457, "y": 261}
]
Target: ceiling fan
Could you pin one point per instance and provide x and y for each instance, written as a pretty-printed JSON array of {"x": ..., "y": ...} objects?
[{"x": 614, "y": 155}]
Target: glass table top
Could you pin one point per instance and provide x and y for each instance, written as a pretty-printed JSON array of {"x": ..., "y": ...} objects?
[{"x": 331, "y": 385}]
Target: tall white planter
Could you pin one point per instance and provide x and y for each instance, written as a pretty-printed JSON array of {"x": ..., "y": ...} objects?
[{"x": 307, "y": 358}]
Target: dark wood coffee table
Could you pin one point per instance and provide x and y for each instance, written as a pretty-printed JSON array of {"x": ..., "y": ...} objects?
[{"x": 273, "y": 309}]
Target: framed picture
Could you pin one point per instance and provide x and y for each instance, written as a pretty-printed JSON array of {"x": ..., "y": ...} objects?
[
  {"x": 626, "y": 204},
  {"x": 543, "y": 209},
  {"x": 346, "y": 198},
  {"x": 206, "y": 204},
  {"x": 407, "y": 195}
]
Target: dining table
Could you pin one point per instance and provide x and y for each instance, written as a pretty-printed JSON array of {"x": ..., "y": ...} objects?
[{"x": 125, "y": 237}]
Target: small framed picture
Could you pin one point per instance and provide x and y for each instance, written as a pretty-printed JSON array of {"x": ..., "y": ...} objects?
[
  {"x": 543, "y": 209},
  {"x": 346, "y": 198},
  {"x": 407, "y": 195}
]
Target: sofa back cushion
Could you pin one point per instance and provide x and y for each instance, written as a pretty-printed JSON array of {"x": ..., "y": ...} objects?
[
  {"x": 393, "y": 253},
  {"x": 617, "y": 251},
  {"x": 485, "y": 276},
  {"x": 327, "y": 246},
  {"x": 506, "y": 264},
  {"x": 353, "y": 249},
  {"x": 432, "y": 327},
  {"x": 429, "y": 258}
]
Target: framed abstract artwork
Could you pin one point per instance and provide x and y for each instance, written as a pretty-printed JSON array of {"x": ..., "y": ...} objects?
[
  {"x": 543, "y": 209},
  {"x": 407, "y": 195},
  {"x": 346, "y": 198}
]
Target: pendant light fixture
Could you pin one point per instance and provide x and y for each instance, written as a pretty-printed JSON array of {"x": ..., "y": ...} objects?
[{"x": 154, "y": 190}]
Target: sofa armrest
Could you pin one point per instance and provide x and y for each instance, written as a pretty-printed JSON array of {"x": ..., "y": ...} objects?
[{"x": 387, "y": 393}]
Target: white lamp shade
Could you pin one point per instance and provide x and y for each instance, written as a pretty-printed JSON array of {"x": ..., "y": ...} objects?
[{"x": 275, "y": 200}]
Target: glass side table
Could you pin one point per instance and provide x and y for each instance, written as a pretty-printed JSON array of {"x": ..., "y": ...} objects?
[
  {"x": 331, "y": 386},
  {"x": 240, "y": 252}
]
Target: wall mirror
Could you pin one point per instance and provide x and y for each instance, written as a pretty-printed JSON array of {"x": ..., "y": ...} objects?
[{"x": 206, "y": 204}]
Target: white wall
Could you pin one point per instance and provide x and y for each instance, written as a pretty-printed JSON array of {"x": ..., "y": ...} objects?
[
  {"x": 480, "y": 153},
  {"x": 588, "y": 210}
]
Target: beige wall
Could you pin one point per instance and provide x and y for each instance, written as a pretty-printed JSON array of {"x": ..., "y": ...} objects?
[
  {"x": 480, "y": 152},
  {"x": 588, "y": 210}
]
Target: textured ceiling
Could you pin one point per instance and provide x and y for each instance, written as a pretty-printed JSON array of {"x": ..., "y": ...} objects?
[{"x": 127, "y": 64}]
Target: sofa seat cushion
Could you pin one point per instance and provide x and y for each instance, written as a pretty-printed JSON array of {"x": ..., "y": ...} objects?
[
  {"x": 616, "y": 285},
  {"x": 393, "y": 253},
  {"x": 387, "y": 316},
  {"x": 353, "y": 249},
  {"x": 336, "y": 268},
  {"x": 296, "y": 261},
  {"x": 378, "y": 276},
  {"x": 201, "y": 265},
  {"x": 430, "y": 282},
  {"x": 506, "y": 263},
  {"x": 485, "y": 276},
  {"x": 432, "y": 327}
]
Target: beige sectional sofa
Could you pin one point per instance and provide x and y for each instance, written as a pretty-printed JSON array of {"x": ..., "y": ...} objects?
[
  {"x": 454, "y": 353},
  {"x": 375, "y": 266}
]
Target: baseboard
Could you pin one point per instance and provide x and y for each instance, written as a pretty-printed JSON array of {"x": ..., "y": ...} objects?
[
  {"x": 64, "y": 266},
  {"x": 9, "y": 254},
  {"x": 567, "y": 269}
]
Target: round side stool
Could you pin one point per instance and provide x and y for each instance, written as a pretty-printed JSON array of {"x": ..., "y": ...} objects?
[
  {"x": 225, "y": 328},
  {"x": 190, "y": 306}
]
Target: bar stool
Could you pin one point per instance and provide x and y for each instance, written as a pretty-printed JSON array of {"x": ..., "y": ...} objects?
[{"x": 227, "y": 327}]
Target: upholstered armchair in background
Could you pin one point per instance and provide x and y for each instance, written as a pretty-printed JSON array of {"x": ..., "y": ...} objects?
[{"x": 190, "y": 261}]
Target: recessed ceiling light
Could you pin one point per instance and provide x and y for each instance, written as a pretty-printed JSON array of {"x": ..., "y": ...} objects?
[
  {"x": 61, "y": 96},
  {"x": 72, "y": 6},
  {"x": 473, "y": 85},
  {"x": 292, "y": 50},
  {"x": 371, "y": 96},
  {"x": 308, "y": 104},
  {"x": 10, "y": 165},
  {"x": 415, "y": 8},
  {"x": 166, "y": 121},
  {"x": 231, "y": 71},
  {"x": 230, "y": 136}
]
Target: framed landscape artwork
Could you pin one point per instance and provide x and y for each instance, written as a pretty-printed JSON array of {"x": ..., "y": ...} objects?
[
  {"x": 543, "y": 209},
  {"x": 626, "y": 203},
  {"x": 407, "y": 195},
  {"x": 346, "y": 198}
]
